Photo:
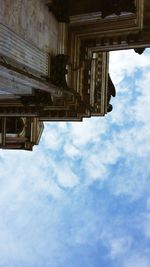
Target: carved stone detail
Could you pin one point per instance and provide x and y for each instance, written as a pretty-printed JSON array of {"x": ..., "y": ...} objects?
[
  {"x": 59, "y": 71},
  {"x": 139, "y": 50},
  {"x": 111, "y": 92}
]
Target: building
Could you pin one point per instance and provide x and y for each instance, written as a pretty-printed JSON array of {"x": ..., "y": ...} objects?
[
  {"x": 54, "y": 60},
  {"x": 20, "y": 132}
]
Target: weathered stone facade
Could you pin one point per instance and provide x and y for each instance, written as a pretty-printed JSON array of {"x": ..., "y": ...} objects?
[{"x": 31, "y": 20}]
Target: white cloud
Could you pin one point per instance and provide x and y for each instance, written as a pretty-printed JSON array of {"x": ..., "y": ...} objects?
[
  {"x": 137, "y": 261},
  {"x": 88, "y": 131},
  {"x": 65, "y": 176},
  {"x": 71, "y": 150},
  {"x": 126, "y": 63},
  {"x": 119, "y": 246}
]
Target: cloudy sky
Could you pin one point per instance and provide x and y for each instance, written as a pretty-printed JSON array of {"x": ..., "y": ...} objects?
[{"x": 82, "y": 197}]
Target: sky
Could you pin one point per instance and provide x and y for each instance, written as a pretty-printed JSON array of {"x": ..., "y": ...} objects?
[{"x": 82, "y": 197}]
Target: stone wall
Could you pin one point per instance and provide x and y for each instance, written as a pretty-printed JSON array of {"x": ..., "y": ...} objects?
[{"x": 31, "y": 20}]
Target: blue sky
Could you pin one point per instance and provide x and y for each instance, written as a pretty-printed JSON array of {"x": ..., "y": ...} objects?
[{"x": 82, "y": 197}]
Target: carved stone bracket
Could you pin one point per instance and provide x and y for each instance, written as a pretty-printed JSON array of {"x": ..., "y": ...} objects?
[
  {"x": 59, "y": 70},
  {"x": 119, "y": 41}
]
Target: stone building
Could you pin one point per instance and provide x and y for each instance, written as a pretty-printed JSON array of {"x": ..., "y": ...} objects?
[{"x": 54, "y": 60}]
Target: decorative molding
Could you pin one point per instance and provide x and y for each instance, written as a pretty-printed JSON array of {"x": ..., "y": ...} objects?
[
  {"x": 88, "y": 75},
  {"x": 95, "y": 25}
]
